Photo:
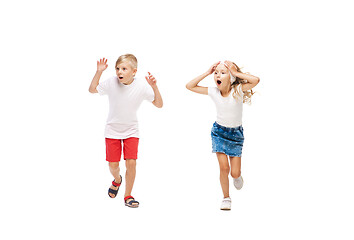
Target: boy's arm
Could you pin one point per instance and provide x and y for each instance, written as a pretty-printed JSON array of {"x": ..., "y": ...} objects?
[
  {"x": 101, "y": 66},
  {"x": 158, "y": 102},
  {"x": 193, "y": 85}
]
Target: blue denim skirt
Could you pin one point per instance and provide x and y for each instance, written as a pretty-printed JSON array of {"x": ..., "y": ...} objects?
[{"x": 227, "y": 140}]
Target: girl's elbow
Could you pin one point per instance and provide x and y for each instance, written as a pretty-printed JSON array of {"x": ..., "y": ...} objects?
[{"x": 257, "y": 80}]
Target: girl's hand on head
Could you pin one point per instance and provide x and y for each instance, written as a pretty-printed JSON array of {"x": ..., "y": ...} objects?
[
  {"x": 212, "y": 68},
  {"x": 232, "y": 68},
  {"x": 151, "y": 80},
  {"x": 102, "y": 65}
]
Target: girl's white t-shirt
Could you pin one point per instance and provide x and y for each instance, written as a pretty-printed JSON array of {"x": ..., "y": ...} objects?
[
  {"x": 124, "y": 101},
  {"x": 228, "y": 109}
]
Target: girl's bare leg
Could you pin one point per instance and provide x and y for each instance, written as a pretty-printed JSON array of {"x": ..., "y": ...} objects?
[
  {"x": 224, "y": 173},
  {"x": 235, "y": 166}
]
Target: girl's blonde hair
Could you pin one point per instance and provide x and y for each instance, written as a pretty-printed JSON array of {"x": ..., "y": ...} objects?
[
  {"x": 128, "y": 57},
  {"x": 237, "y": 94}
]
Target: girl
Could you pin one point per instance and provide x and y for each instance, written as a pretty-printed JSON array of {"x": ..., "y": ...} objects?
[{"x": 233, "y": 88}]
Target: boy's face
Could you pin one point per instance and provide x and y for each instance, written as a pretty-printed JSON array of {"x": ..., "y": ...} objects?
[
  {"x": 222, "y": 77},
  {"x": 125, "y": 72}
]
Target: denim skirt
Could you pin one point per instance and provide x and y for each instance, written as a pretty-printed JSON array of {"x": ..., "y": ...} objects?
[{"x": 227, "y": 140}]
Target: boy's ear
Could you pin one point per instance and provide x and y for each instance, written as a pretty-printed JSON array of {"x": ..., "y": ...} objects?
[{"x": 135, "y": 70}]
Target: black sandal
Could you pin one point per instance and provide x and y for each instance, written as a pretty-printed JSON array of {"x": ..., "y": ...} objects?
[
  {"x": 115, "y": 192},
  {"x": 130, "y": 203}
]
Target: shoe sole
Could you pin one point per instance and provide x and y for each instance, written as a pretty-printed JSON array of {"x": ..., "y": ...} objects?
[
  {"x": 225, "y": 209},
  {"x": 131, "y": 206}
]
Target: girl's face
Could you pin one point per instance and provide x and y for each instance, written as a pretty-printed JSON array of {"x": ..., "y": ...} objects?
[
  {"x": 125, "y": 72},
  {"x": 222, "y": 77}
]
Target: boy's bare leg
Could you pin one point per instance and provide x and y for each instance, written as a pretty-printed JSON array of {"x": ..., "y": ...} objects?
[
  {"x": 115, "y": 170},
  {"x": 130, "y": 176},
  {"x": 224, "y": 173}
]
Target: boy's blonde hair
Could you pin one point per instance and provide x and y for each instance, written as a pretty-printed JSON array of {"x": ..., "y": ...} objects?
[
  {"x": 237, "y": 95},
  {"x": 128, "y": 57}
]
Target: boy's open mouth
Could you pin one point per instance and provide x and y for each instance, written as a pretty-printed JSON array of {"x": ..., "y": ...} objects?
[
  {"x": 218, "y": 82},
  {"x": 120, "y": 77}
]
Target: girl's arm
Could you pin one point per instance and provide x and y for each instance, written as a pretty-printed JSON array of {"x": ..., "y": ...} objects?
[
  {"x": 252, "y": 81},
  {"x": 193, "y": 85},
  {"x": 101, "y": 66}
]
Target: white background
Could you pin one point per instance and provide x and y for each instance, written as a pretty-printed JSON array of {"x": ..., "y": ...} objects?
[{"x": 297, "y": 160}]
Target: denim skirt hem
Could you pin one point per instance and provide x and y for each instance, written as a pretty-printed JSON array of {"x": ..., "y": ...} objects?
[
  {"x": 240, "y": 155},
  {"x": 227, "y": 140}
]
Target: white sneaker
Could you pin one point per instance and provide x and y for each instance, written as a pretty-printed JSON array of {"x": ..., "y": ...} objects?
[
  {"x": 226, "y": 204},
  {"x": 238, "y": 182}
]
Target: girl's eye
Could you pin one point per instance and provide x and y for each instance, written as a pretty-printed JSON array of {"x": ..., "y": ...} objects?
[{"x": 124, "y": 69}]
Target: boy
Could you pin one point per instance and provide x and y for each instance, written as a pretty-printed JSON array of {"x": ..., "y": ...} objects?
[{"x": 125, "y": 94}]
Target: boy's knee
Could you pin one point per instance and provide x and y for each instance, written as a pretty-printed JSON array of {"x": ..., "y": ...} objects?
[
  {"x": 130, "y": 163},
  {"x": 113, "y": 165}
]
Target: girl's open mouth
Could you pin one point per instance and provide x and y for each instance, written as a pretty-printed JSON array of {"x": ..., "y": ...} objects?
[
  {"x": 120, "y": 77},
  {"x": 218, "y": 82}
]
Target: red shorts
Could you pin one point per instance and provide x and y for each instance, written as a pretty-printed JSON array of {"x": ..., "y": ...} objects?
[{"x": 114, "y": 149}]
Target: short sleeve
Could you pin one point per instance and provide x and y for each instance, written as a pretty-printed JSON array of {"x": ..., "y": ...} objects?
[
  {"x": 212, "y": 91},
  {"x": 149, "y": 94},
  {"x": 102, "y": 87}
]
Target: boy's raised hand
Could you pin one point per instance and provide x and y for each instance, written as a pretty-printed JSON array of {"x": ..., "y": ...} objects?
[
  {"x": 102, "y": 65},
  {"x": 151, "y": 80}
]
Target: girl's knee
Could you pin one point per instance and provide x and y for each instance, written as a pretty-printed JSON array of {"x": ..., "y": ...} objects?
[
  {"x": 235, "y": 173},
  {"x": 225, "y": 169}
]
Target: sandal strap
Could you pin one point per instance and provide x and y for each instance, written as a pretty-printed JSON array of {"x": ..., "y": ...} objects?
[
  {"x": 110, "y": 190},
  {"x": 117, "y": 184},
  {"x": 128, "y": 197}
]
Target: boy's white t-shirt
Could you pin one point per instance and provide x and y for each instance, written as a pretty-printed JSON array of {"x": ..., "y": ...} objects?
[
  {"x": 124, "y": 101},
  {"x": 228, "y": 109}
]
